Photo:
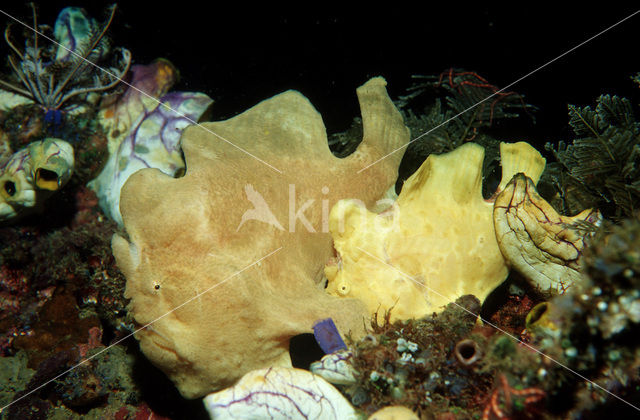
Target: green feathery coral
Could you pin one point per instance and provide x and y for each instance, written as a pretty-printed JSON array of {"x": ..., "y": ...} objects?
[{"x": 602, "y": 165}]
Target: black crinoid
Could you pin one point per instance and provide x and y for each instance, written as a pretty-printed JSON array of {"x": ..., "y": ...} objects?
[
  {"x": 601, "y": 166},
  {"x": 60, "y": 67}
]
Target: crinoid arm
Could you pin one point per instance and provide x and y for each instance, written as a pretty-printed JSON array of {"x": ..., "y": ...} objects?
[
  {"x": 53, "y": 74},
  {"x": 113, "y": 73}
]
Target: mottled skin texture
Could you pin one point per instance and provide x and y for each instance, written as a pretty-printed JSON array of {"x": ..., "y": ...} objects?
[
  {"x": 183, "y": 237},
  {"x": 436, "y": 244}
]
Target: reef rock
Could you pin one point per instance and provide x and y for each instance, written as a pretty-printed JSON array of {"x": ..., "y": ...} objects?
[{"x": 226, "y": 263}]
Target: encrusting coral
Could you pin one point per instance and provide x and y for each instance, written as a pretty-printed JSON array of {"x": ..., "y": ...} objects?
[
  {"x": 198, "y": 233},
  {"x": 439, "y": 240}
]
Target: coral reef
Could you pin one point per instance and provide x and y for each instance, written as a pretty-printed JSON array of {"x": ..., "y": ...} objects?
[
  {"x": 35, "y": 265},
  {"x": 59, "y": 287},
  {"x": 222, "y": 211},
  {"x": 188, "y": 236},
  {"x": 61, "y": 296},
  {"x": 14, "y": 373},
  {"x": 59, "y": 328},
  {"x": 447, "y": 365},
  {"x": 416, "y": 364},
  {"x": 591, "y": 330},
  {"x": 105, "y": 387}
]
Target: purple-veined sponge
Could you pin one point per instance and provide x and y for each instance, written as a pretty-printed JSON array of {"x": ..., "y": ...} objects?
[
  {"x": 327, "y": 336},
  {"x": 280, "y": 393},
  {"x": 336, "y": 368},
  {"x": 153, "y": 142}
]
